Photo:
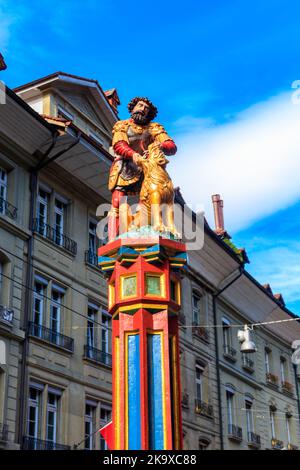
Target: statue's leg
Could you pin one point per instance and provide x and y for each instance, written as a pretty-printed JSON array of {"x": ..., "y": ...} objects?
[
  {"x": 113, "y": 216},
  {"x": 156, "y": 217}
]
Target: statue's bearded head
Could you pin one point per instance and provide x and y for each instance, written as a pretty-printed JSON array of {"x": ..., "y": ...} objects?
[{"x": 142, "y": 110}]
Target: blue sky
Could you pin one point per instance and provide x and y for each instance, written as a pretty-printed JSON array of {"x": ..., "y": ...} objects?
[{"x": 220, "y": 73}]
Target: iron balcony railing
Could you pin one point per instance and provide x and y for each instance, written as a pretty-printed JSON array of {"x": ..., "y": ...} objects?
[
  {"x": 6, "y": 315},
  {"x": 203, "y": 408},
  {"x": 253, "y": 439},
  {"x": 3, "y": 432},
  {"x": 247, "y": 362},
  {"x": 8, "y": 209},
  {"x": 31, "y": 443},
  {"x": 54, "y": 236},
  {"x": 97, "y": 355},
  {"x": 51, "y": 336},
  {"x": 229, "y": 351},
  {"x": 235, "y": 432},
  {"x": 91, "y": 258}
]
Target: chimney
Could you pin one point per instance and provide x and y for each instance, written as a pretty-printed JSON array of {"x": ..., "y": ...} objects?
[
  {"x": 218, "y": 213},
  {"x": 113, "y": 99},
  {"x": 2, "y": 62}
]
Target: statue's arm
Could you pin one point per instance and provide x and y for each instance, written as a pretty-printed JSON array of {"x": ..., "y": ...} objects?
[
  {"x": 159, "y": 134},
  {"x": 120, "y": 140}
]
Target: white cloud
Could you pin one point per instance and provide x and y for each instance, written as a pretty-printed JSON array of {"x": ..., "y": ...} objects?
[{"x": 253, "y": 161}]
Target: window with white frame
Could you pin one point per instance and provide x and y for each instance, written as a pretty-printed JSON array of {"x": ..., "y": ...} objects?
[
  {"x": 283, "y": 369},
  {"x": 3, "y": 189},
  {"x": 93, "y": 243},
  {"x": 59, "y": 215},
  {"x": 196, "y": 309},
  {"x": 89, "y": 425},
  {"x": 34, "y": 413},
  {"x": 105, "y": 318},
  {"x": 199, "y": 382},
  {"x": 105, "y": 417},
  {"x": 39, "y": 304},
  {"x": 267, "y": 360},
  {"x": 272, "y": 423},
  {"x": 52, "y": 416},
  {"x": 230, "y": 394},
  {"x": 91, "y": 319},
  {"x": 249, "y": 415},
  {"x": 42, "y": 211},
  {"x": 57, "y": 294}
]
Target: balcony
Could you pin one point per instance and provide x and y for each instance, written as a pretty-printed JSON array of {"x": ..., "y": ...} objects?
[
  {"x": 287, "y": 387},
  {"x": 235, "y": 433},
  {"x": 6, "y": 315},
  {"x": 203, "y": 408},
  {"x": 8, "y": 209},
  {"x": 97, "y": 355},
  {"x": 91, "y": 258},
  {"x": 30, "y": 443},
  {"x": 3, "y": 432},
  {"x": 54, "y": 236},
  {"x": 50, "y": 336},
  {"x": 229, "y": 352},
  {"x": 254, "y": 440},
  {"x": 200, "y": 332},
  {"x": 292, "y": 447},
  {"x": 272, "y": 379},
  {"x": 247, "y": 363},
  {"x": 276, "y": 444}
]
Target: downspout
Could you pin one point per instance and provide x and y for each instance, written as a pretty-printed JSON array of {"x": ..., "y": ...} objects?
[
  {"x": 29, "y": 275},
  {"x": 241, "y": 269}
]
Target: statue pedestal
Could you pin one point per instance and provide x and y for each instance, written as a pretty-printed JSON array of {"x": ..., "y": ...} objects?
[{"x": 144, "y": 301}]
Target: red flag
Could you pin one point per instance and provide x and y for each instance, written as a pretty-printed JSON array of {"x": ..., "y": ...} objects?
[{"x": 108, "y": 435}]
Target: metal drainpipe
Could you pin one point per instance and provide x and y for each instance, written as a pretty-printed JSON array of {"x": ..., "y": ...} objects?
[
  {"x": 217, "y": 354},
  {"x": 29, "y": 278}
]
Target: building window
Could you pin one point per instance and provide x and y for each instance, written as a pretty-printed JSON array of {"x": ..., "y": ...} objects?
[
  {"x": 38, "y": 307},
  {"x": 92, "y": 313},
  {"x": 33, "y": 422},
  {"x": 283, "y": 374},
  {"x": 199, "y": 383},
  {"x": 267, "y": 360},
  {"x": 89, "y": 425},
  {"x": 230, "y": 407},
  {"x": 42, "y": 211},
  {"x": 104, "y": 331},
  {"x": 3, "y": 190},
  {"x": 196, "y": 309},
  {"x": 249, "y": 415},
  {"x": 59, "y": 212},
  {"x": 226, "y": 332},
  {"x": 272, "y": 424},
  {"x": 105, "y": 417},
  {"x": 93, "y": 245},
  {"x": 52, "y": 412},
  {"x": 55, "y": 312}
]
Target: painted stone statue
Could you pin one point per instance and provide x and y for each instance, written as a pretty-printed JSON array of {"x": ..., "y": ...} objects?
[{"x": 134, "y": 140}]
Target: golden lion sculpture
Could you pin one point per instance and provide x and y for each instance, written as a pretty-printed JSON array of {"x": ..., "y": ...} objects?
[{"x": 157, "y": 193}]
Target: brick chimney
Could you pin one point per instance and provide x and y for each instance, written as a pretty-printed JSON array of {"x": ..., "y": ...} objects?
[{"x": 218, "y": 213}]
